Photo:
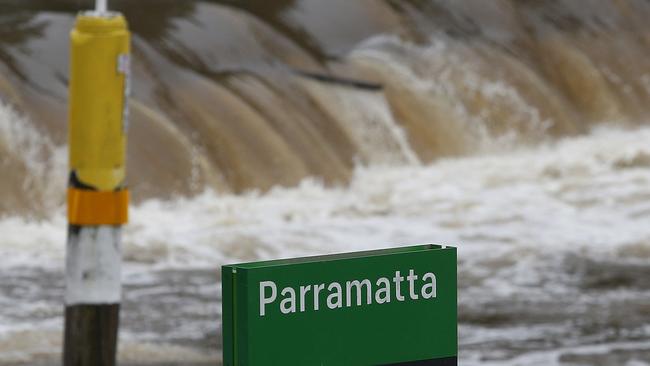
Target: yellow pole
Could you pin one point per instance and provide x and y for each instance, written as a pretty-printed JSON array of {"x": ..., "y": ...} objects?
[{"x": 97, "y": 197}]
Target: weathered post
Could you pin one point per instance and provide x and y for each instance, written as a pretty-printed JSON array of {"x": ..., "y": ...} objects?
[{"x": 97, "y": 197}]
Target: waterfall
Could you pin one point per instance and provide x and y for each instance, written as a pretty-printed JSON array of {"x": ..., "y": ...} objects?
[{"x": 237, "y": 96}]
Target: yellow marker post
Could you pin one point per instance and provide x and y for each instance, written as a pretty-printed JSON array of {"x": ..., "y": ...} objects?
[
  {"x": 97, "y": 197},
  {"x": 98, "y": 108}
]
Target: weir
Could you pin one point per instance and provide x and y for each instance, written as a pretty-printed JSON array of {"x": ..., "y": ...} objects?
[{"x": 486, "y": 76}]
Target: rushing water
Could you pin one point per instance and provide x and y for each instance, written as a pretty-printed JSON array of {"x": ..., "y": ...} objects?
[{"x": 516, "y": 130}]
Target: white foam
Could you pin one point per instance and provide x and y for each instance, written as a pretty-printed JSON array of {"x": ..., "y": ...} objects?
[
  {"x": 46, "y": 163},
  {"x": 564, "y": 196},
  {"x": 489, "y": 108}
]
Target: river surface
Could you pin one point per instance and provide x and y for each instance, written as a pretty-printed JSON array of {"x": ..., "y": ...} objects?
[{"x": 554, "y": 254}]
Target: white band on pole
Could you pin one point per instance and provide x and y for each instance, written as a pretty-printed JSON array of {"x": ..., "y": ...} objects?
[
  {"x": 101, "y": 6},
  {"x": 93, "y": 266}
]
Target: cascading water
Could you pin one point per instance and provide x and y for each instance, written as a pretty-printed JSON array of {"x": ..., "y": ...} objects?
[
  {"x": 257, "y": 92},
  {"x": 262, "y": 129}
]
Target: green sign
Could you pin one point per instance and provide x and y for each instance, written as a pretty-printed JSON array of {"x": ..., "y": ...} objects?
[{"x": 385, "y": 307}]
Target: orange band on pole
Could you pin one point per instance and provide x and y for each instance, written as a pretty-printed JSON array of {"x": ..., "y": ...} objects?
[{"x": 91, "y": 208}]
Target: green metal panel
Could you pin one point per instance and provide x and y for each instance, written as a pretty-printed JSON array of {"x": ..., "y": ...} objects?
[{"x": 265, "y": 324}]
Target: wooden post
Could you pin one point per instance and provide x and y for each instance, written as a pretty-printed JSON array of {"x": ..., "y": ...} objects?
[
  {"x": 97, "y": 197},
  {"x": 91, "y": 335}
]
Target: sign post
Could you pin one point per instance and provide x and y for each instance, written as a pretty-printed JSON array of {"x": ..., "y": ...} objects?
[
  {"x": 97, "y": 197},
  {"x": 385, "y": 307}
]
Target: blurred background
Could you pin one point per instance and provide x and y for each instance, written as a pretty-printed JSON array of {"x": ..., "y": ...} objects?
[{"x": 517, "y": 130}]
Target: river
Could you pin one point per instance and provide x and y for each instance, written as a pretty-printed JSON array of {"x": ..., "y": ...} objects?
[{"x": 515, "y": 130}]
